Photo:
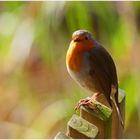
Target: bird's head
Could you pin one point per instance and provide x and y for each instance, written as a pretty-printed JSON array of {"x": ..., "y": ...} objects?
[{"x": 82, "y": 39}]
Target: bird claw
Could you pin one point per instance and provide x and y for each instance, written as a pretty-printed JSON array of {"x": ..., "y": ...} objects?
[{"x": 86, "y": 102}]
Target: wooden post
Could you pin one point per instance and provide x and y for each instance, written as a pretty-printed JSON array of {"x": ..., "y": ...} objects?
[
  {"x": 98, "y": 120},
  {"x": 117, "y": 128},
  {"x": 99, "y": 116},
  {"x": 61, "y": 135},
  {"x": 79, "y": 128}
]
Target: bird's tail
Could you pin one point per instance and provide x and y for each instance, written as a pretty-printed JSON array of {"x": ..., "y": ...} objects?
[{"x": 114, "y": 98}]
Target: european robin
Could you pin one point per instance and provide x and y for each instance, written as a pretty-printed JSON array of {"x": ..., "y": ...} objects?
[{"x": 91, "y": 66}]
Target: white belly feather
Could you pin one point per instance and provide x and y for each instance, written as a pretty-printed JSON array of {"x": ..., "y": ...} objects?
[{"x": 83, "y": 77}]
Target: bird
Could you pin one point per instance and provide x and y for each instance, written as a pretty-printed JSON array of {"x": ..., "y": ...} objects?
[{"x": 93, "y": 68}]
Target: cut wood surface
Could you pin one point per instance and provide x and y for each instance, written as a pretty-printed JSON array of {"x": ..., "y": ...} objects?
[
  {"x": 61, "y": 135},
  {"x": 80, "y": 128}
]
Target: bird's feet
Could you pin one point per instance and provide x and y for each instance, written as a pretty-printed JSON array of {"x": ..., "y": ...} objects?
[{"x": 87, "y": 101}]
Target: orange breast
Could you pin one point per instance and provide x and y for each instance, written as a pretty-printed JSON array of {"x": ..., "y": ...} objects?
[
  {"x": 73, "y": 58},
  {"x": 75, "y": 53}
]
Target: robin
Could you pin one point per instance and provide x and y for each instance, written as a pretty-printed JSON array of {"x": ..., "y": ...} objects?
[{"x": 93, "y": 68}]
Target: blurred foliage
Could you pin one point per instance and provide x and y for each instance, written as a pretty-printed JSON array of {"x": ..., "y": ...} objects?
[{"x": 37, "y": 96}]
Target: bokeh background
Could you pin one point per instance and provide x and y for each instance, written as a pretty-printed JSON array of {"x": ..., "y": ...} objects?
[{"x": 37, "y": 96}]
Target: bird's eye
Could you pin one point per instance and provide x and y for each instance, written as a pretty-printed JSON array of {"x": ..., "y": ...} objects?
[{"x": 86, "y": 38}]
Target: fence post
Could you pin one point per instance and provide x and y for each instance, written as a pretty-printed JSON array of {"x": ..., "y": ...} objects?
[
  {"x": 100, "y": 115},
  {"x": 97, "y": 121},
  {"x": 117, "y": 128}
]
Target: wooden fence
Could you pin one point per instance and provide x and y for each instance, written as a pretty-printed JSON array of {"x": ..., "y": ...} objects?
[{"x": 99, "y": 122}]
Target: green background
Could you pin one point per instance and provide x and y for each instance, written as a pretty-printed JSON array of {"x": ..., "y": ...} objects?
[{"x": 37, "y": 96}]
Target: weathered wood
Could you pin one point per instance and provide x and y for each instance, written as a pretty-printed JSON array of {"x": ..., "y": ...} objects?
[
  {"x": 79, "y": 128},
  {"x": 104, "y": 117},
  {"x": 98, "y": 120},
  {"x": 99, "y": 116},
  {"x": 117, "y": 128},
  {"x": 122, "y": 109},
  {"x": 61, "y": 135}
]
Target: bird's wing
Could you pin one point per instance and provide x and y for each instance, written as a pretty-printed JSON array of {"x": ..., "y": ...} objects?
[{"x": 103, "y": 70}]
